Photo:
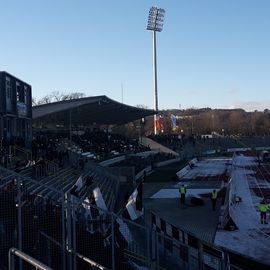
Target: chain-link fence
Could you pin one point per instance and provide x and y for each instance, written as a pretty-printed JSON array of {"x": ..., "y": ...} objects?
[
  {"x": 65, "y": 232},
  {"x": 173, "y": 254}
]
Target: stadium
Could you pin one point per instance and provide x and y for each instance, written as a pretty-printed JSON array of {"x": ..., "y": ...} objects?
[{"x": 75, "y": 194}]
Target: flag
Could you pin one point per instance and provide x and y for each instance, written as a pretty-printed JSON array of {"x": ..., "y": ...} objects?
[
  {"x": 173, "y": 119},
  {"x": 158, "y": 124},
  {"x": 79, "y": 183},
  {"x": 139, "y": 197},
  {"x": 99, "y": 199},
  {"x": 134, "y": 205}
]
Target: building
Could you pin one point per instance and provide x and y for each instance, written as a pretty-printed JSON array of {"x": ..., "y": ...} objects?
[{"x": 15, "y": 110}]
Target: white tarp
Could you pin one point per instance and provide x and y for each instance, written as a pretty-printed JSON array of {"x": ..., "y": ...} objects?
[
  {"x": 99, "y": 199},
  {"x": 123, "y": 228},
  {"x": 131, "y": 206},
  {"x": 79, "y": 183},
  {"x": 183, "y": 172}
]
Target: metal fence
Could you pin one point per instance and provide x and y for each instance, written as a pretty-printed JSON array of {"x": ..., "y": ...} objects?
[
  {"x": 173, "y": 254},
  {"x": 65, "y": 232},
  {"x": 18, "y": 259}
]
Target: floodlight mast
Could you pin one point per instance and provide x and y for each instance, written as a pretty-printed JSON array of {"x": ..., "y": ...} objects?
[{"x": 155, "y": 24}]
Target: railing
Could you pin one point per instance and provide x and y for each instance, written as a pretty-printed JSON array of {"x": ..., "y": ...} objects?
[
  {"x": 27, "y": 153},
  {"x": 91, "y": 262},
  {"x": 49, "y": 168},
  {"x": 15, "y": 252},
  {"x": 65, "y": 237}
]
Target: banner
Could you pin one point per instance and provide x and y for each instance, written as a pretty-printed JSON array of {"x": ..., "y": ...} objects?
[
  {"x": 99, "y": 199},
  {"x": 173, "y": 119},
  {"x": 134, "y": 205},
  {"x": 79, "y": 183},
  {"x": 158, "y": 124}
]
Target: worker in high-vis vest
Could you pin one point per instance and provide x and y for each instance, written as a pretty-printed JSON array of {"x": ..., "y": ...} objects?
[
  {"x": 263, "y": 207},
  {"x": 182, "y": 191},
  {"x": 214, "y": 195}
]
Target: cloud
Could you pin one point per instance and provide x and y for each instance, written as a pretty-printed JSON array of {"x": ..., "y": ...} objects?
[{"x": 251, "y": 105}]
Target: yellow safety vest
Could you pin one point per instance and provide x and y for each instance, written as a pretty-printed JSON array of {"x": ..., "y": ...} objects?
[
  {"x": 214, "y": 195},
  {"x": 263, "y": 207},
  {"x": 182, "y": 190}
]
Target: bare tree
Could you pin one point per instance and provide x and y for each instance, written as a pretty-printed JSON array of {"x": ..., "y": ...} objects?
[
  {"x": 56, "y": 96},
  {"x": 34, "y": 101},
  {"x": 45, "y": 100},
  {"x": 141, "y": 106}
]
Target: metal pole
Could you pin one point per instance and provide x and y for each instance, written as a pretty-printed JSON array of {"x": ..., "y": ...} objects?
[
  {"x": 11, "y": 261},
  {"x": 38, "y": 265},
  {"x": 155, "y": 80},
  {"x": 68, "y": 228},
  {"x": 113, "y": 242},
  {"x": 92, "y": 263},
  {"x": 19, "y": 219},
  {"x": 148, "y": 231},
  {"x": 74, "y": 237},
  {"x": 153, "y": 250},
  {"x": 157, "y": 251},
  {"x": 63, "y": 234},
  {"x": 200, "y": 256}
]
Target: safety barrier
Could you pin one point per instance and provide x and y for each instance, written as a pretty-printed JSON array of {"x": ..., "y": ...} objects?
[
  {"x": 17, "y": 149},
  {"x": 68, "y": 234},
  {"x": 15, "y": 252}
]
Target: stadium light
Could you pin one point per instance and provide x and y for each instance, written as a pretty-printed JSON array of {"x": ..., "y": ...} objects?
[{"x": 155, "y": 24}]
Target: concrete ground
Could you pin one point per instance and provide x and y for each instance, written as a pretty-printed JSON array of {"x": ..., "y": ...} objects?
[{"x": 199, "y": 220}]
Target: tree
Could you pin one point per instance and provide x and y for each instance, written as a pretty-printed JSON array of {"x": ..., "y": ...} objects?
[{"x": 56, "y": 96}]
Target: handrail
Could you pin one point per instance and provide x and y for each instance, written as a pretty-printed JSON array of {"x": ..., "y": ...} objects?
[
  {"x": 22, "y": 149},
  {"x": 15, "y": 252},
  {"x": 28, "y": 153},
  {"x": 89, "y": 261},
  {"x": 92, "y": 263}
]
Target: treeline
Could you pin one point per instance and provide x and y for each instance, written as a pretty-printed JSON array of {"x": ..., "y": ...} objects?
[
  {"x": 220, "y": 121},
  {"x": 56, "y": 96},
  {"x": 189, "y": 122}
]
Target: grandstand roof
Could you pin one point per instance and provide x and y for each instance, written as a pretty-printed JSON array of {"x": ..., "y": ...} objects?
[{"x": 89, "y": 110}]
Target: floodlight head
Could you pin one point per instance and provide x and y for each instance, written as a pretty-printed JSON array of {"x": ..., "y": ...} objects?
[{"x": 155, "y": 19}]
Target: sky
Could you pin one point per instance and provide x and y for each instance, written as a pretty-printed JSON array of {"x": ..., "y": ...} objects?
[{"x": 210, "y": 53}]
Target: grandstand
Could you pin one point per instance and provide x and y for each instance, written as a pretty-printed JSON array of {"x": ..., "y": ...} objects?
[
  {"x": 77, "y": 204},
  {"x": 60, "y": 198},
  {"x": 204, "y": 146}
]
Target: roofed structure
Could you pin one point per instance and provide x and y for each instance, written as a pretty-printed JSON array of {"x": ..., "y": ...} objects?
[{"x": 90, "y": 110}]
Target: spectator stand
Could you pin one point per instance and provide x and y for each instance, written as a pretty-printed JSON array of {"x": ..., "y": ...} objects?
[{"x": 180, "y": 174}]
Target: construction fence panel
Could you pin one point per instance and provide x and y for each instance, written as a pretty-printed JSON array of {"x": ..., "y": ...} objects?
[
  {"x": 169, "y": 253},
  {"x": 20, "y": 260},
  {"x": 92, "y": 236},
  {"x": 41, "y": 223},
  {"x": 64, "y": 232},
  {"x": 8, "y": 216},
  {"x": 27, "y": 216},
  {"x": 133, "y": 240},
  {"x": 108, "y": 240},
  {"x": 173, "y": 254}
]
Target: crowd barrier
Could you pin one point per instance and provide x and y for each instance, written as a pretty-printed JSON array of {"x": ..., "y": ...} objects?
[
  {"x": 78, "y": 234},
  {"x": 180, "y": 174}
]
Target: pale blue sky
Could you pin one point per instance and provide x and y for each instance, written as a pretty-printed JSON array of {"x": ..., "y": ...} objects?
[{"x": 211, "y": 53}]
